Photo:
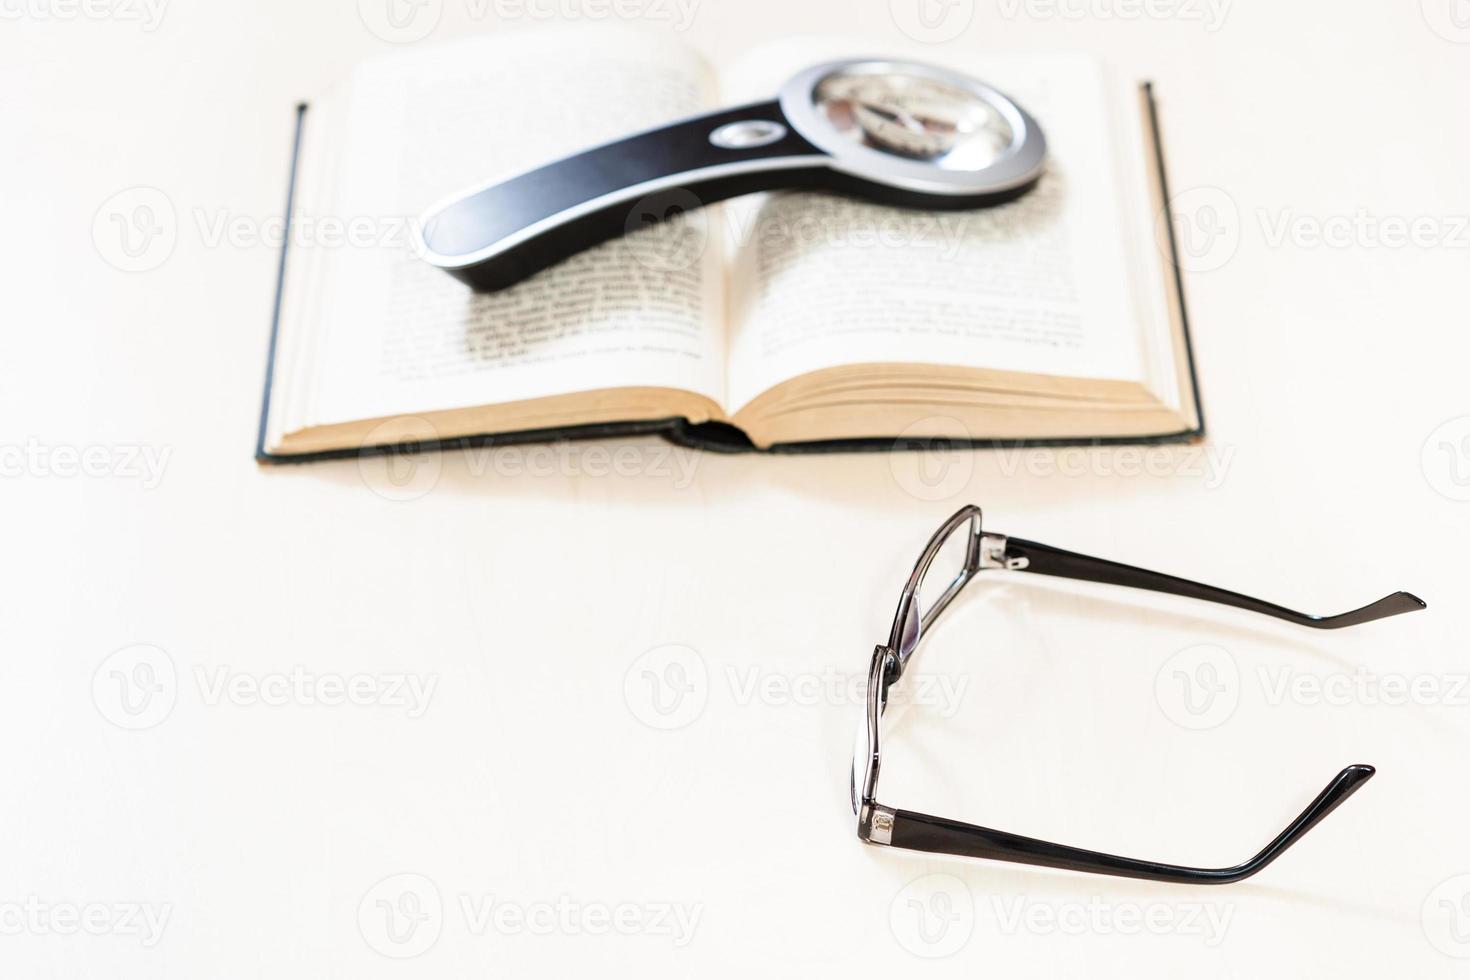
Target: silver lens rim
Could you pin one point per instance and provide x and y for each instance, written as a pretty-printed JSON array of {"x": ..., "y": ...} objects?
[{"x": 1020, "y": 164}]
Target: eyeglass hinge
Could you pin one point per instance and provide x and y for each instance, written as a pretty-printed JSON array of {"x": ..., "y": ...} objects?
[
  {"x": 993, "y": 553},
  {"x": 880, "y": 827}
]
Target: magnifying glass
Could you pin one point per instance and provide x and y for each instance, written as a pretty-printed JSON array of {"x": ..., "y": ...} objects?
[{"x": 895, "y": 132}]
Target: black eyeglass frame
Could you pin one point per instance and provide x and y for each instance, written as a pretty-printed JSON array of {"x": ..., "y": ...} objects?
[{"x": 884, "y": 825}]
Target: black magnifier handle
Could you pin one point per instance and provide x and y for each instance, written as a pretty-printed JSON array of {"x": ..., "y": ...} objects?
[{"x": 495, "y": 237}]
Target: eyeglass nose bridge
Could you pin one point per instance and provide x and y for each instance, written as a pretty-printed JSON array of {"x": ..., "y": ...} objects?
[{"x": 891, "y": 670}]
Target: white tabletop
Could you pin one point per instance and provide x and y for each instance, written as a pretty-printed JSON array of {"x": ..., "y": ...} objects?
[{"x": 545, "y": 804}]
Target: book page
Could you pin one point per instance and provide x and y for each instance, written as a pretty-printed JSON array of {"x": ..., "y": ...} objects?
[
  {"x": 1040, "y": 285},
  {"x": 402, "y": 337}
]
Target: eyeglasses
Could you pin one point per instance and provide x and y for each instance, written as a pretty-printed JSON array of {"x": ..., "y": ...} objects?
[{"x": 958, "y": 552}]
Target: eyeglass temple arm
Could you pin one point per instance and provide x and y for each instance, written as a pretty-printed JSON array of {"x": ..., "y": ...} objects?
[
  {"x": 936, "y": 835},
  {"x": 1030, "y": 556}
]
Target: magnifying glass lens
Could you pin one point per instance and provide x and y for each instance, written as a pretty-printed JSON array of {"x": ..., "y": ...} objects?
[
  {"x": 915, "y": 116},
  {"x": 899, "y": 133}
]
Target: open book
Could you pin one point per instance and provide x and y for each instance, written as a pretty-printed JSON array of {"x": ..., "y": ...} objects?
[{"x": 780, "y": 320}]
